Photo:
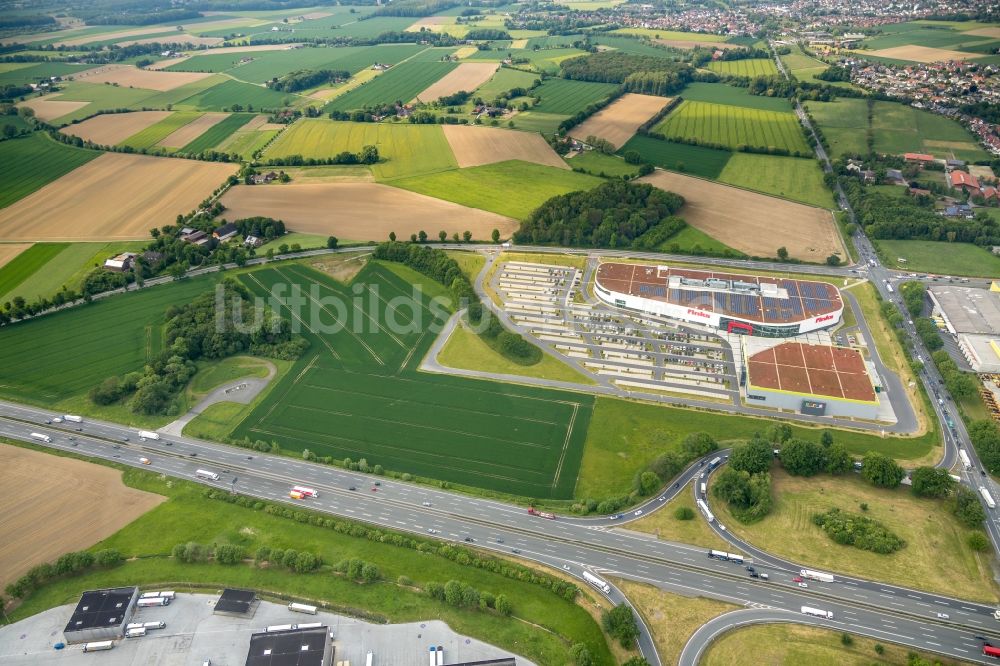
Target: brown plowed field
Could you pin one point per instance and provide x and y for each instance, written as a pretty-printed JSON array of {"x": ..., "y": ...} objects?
[
  {"x": 185, "y": 135},
  {"x": 618, "y": 121},
  {"x": 485, "y": 145},
  {"x": 984, "y": 32},
  {"x": 51, "y": 505},
  {"x": 163, "y": 64},
  {"x": 10, "y": 250},
  {"x": 753, "y": 223},
  {"x": 468, "y": 76},
  {"x": 922, "y": 54},
  {"x": 48, "y": 108},
  {"x": 128, "y": 76},
  {"x": 360, "y": 211},
  {"x": 109, "y": 129},
  {"x": 114, "y": 197}
]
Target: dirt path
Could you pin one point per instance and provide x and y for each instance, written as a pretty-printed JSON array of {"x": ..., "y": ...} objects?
[{"x": 241, "y": 391}]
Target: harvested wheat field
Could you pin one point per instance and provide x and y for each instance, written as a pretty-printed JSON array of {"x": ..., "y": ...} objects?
[
  {"x": 519, "y": 44},
  {"x": 10, "y": 250},
  {"x": 921, "y": 54},
  {"x": 360, "y": 211},
  {"x": 163, "y": 64},
  {"x": 485, "y": 145},
  {"x": 56, "y": 505},
  {"x": 618, "y": 121},
  {"x": 250, "y": 49},
  {"x": 466, "y": 51},
  {"x": 133, "y": 77},
  {"x": 109, "y": 129},
  {"x": 467, "y": 76},
  {"x": 113, "y": 197},
  {"x": 185, "y": 135},
  {"x": 46, "y": 108},
  {"x": 430, "y": 22},
  {"x": 984, "y": 32},
  {"x": 750, "y": 222},
  {"x": 124, "y": 34}
]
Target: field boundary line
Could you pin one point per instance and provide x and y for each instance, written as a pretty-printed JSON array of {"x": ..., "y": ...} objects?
[
  {"x": 345, "y": 328},
  {"x": 270, "y": 411},
  {"x": 298, "y": 319},
  {"x": 565, "y": 446}
]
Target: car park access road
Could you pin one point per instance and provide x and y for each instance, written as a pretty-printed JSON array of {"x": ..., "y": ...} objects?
[{"x": 565, "y": 544}]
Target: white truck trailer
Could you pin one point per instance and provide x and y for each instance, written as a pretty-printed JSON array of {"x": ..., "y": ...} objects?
[
  {"x": 816, "y": 575},
  {"x": 818, "y": 612},
  {"x": 597, "y": 582}
]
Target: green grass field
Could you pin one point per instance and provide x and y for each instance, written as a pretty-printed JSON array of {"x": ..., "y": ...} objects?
[
  {"x": 35, "y": 366},
  {"x": 750, "y": 67},
  {"x": 29, "y": 163},
  {"x": 630, "y": 45},
  {"x": 247, "y": 143},
  {"x": 399, "y": 84},
  {"x": 352, "y": 395},
  {"x": 34, "y": 72},
  {"x": 542, "y": 628},
  {"x": 597, "y": 163},
  {"x": 696, "y": 160},
  {"x": 101, "y": 97},
  {"x": 692, "y": 241},
  {"x": 488, "y": 187},
  {"x": 505, "y": 79},
  {"x": 674, "y": 35},
  {"x": 897, "y": 129},
  {"x": 941, "y": 258},
  {"x": 789, "y": 177},
  {"x": 720, "y": 93},
  {"x": 532, "y": 121},
  {"x": 733, "y": 126},
  {"x": 66, "y": 268},
  {"x": 19, "y": 270},
  {"x": 224, "y": 95},
  {"x": 217, "y": 133},
  {"x": 157, "y": 132},
  {"x": 407, "y": 149},
  {"x": 565, "y": 97}
]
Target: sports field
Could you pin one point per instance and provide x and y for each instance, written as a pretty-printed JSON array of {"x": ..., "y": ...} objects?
[
  {"x": 749, "y": 67},
  {"x": 110, "y": 129},
  {"x": 618, "y": 121},
  {"x": 697, "y": 160},
  {"x": 354, "y": 393},
  {"x": 399, "y": 84},
  {"x": 753, "y": 223},
  {"x": 794, "y": 178},
  {"x": 733, "y": 126},
  {"x": 941, "y": 258},
  {"x": 565, "y": 97},
  {"x": 489, "y": 187},
  {"x": 114, "y": 197},
  {"x": 406, "y": 149},
  {"x": 29, "y": 163}
]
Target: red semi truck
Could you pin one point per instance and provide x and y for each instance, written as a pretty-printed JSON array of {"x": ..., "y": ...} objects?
[{"x": 541, "y": 514}]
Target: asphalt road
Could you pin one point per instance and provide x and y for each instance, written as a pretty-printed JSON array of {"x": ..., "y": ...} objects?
[{"x": 570, "y": 545}]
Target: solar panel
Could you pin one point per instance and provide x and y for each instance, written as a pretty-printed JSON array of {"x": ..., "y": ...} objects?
[
  {"x": 720, "y": 301},
  {"x": 790, "y": 286}
]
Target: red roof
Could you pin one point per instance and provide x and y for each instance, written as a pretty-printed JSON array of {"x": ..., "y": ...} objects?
[
  {"x": 962, "y": 179},
  {"x": 919, "y": 157},
  {"x": 819, "y": 370},
  {"x": 990, "y": 191}
]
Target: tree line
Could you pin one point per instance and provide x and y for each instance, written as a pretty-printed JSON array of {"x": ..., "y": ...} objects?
[{"x": 301, "y": 79}]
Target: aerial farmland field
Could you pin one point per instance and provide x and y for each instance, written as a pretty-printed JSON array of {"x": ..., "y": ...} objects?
[
  {"x": 697, "y": 160},
  {"x": 226, "y": 94},
  {"x": 407, "y": 149},
  {"x": 31, "y": 162},
  {"x": 748, "y": 67},
  {"x": 400, "y": 83},
  {"x": 618, "y": 121},
  {"x": 505, "y": 79},
  {"x": 160, "y": 131},
  {"x": 733, "y": 126},
  {"x": 217, "y": 133},
  {"x": 19, "y": 268},
  {"x": 565, "y": 97},
  {"x": 352, "y": 396},
  {"x": 109, "y": 129},
  {"x": 720, "y": 93}
]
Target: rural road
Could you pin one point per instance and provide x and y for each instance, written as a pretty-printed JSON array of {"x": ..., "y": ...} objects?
[{"x": 241, "y": 391}]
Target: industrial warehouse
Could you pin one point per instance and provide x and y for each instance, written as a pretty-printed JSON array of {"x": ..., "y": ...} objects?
[
  {"x": 972, "y": 317},
  {"x": 734, "y": 303}
]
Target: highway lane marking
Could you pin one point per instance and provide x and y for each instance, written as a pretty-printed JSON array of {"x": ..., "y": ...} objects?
[
  {"x": 933, "y": 643},
  {"x": 958, "y": 649}
]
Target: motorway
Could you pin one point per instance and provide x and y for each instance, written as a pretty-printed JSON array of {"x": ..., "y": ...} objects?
[{"x": 890, "y": 613}]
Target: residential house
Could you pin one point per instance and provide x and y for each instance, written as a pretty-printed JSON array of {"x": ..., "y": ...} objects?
[
  {"x": 196, "y": 237},
  {"x": 990, "y": 192},
  {"x": 960, "y": 210},
  {"x": 921, "y": 158},
  {"x": 225, "y": 232},
  {"x": 895, "y": 176},
  {"x": 960, "y": 180},
  {"x": 253, "y": 241},
  {"x": 263, "y": 178}
]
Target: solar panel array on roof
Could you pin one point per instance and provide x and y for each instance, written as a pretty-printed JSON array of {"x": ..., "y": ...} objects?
[
  {"x": 296, "y": 647},
  {"x": 101, "y": 608},
  {"x": 651, "y": 290}
]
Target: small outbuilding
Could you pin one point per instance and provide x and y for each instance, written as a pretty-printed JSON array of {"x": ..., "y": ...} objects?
[
  {"x": 237, "y": 603},
  {"x": 101, "y": 615}
]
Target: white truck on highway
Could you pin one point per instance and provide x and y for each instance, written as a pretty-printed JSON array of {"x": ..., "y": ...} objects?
[
  {"x": 597, "y": 582},
  {"x": 703, "y": 507},
  {"x": 72, "y": 418},
  {"x": 148, "y": 434},
  {"x": 987, "y": 497},
  {"x": 205, "y": 474},
  {"x": 965, "y": 459},
  {"x": 816, "y": 575},
  {"x": 818, "y": 612},
  {"x": 40, "y": 437}
]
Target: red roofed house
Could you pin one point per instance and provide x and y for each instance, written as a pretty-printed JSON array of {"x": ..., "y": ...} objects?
[
  {"x": 990, "y": 192},
  {"x": 918, "y": 157},
  {"x": 961, "y": 180}
]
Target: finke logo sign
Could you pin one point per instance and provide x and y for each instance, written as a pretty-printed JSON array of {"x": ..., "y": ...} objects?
[
  {"x": 820, "y": 320},
  {"x": 699, "y": 313}
]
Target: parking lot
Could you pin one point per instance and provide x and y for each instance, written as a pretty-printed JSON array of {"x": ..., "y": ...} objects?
[{"x": 193, "y": 633}]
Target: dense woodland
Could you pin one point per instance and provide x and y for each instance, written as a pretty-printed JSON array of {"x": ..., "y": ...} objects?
[
  {"x": 614, "y": 214},
  {"x": 648, "y": 74},
  {"x": 305, "y": 78}
]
